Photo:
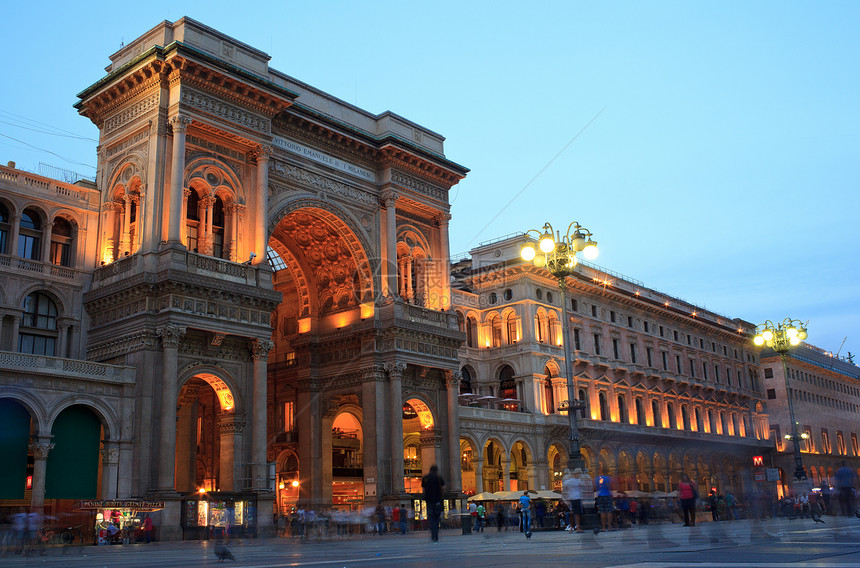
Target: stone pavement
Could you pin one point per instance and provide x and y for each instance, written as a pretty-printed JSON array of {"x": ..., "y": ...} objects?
[{"x": 740, "y": 544}]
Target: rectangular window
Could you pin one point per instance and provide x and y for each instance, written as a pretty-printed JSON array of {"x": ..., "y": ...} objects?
[
  {"x": 704, "y": 370},
  {"x": 61, "y": 254},
  {"x": 768, "y": 373},
  {"x": 597, "y": 344},
  {"x": 725, "y": 351},
  {"x": 576, "y": 344},
  {"x": 771, "y": 394},
  {"x": 810, "y": 446},
  {"x": 661, "y": 331},
  {"x": 574, "y": 304},
  {"x": 633, "y": 353},
  {"x": 840, "y": 443},
  {"x": 678, "y": 367},
  {"x": 740, "y": 379},
  {"x": 594, "y": 311},
  {"x": 289, "y": 416},
  {"x": 665, "y": 357},
  {"x": 612, "y": 316},
  {"x": 649, "y": 354},
  {"x": 689, "y": 339},
  {"x": 512, "y": 330},
  {"x": 629, "y": 321},
  {"x": 615, "y": 348},
  {"x": 693, "y": 368},
  {"x": 854, "y": 445},
  {"x": 675, "y": 334},
  {"x": 701, "y": 343},
  {"x": 645, "y": 325},
  {"x": 717, "y": 373},
  {"x": 825, "y": 441}
]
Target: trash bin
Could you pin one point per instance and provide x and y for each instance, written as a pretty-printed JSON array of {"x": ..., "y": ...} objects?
[{"x": 466, "y": 521}]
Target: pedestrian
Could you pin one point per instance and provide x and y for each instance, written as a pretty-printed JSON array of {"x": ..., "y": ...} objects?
[
  {"x": 479, "y": 519},
  {"x": 380, "y": 519},
  {"x": 603, "y": 501},
  {"x": 687, "y": 494},
  {"x": 34, "y": 523},
  {"x": 19, "y": 528},
  {"x": 846, "y": 480},
  {"x": 571, "y": 487},
  {"x": 500, "y": 517},
  {"x": 404, "y": 519},
  {"x": 432, "y": 484},
  {"x": 526, "y": 514},
  {"x": 147, "y": 528}
]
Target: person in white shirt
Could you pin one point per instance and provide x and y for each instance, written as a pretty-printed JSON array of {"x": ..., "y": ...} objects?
[{"x": 572, "y": 490}]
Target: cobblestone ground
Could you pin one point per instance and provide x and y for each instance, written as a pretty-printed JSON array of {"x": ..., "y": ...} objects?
[{"x": 739, "y": 544}]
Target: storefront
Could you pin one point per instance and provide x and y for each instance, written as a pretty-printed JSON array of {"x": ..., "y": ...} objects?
[
  {"x": 219, "y": 514},
  {"x": 119, "y": 521}
]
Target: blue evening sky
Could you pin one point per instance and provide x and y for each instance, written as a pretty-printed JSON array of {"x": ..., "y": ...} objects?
[{"x": 722, "y": 168}]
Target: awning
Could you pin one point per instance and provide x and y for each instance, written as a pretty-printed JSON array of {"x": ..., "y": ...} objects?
[{"x": 144, "y": 505}]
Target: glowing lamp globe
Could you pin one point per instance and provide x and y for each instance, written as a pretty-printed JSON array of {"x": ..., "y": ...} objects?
[
  {"x": 590, "y": 251},
  {"x": 791, "y": 332},
  {"x": 794, "y": 340},
  {"x": 540, "y": 261},
  {"x": 528, "y": 252},
  {"x": 758, "y": 340},
  {"x": 767, "y": 335},
  {"x": 802, "y": 334},
  {"x": 546, "y": 243}
]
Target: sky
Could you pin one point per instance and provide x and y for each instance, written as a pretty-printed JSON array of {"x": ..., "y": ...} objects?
[{"x": 711, "y": 147}]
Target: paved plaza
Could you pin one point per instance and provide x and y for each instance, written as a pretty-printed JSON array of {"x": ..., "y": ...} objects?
[{"x": 739, "y": 544}]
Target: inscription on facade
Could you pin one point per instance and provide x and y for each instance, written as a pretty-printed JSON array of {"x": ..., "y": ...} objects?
[{"x": 322, "y": 158}]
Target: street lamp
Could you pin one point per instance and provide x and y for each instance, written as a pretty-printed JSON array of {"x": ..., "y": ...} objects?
[
  {"x": 781, "y": 337},
  {"x": 557, "y": 254}
]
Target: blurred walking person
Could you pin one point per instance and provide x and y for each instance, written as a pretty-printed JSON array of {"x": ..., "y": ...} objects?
[{"x": 432, "y": 484}]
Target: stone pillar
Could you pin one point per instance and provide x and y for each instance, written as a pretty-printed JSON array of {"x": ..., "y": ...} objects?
[
  {"x": 110, "y": 464},
  {"x": 46, "y": 241},
  {"x": 40, "y": 449},
  {"x": 430, "y": 444},
  {"x": 63, "y": 328},
  {"x": 186, "y": 428},
  {"x": 375, "y": 428},
  {"x": 389, "y": 199},
  {"x": 170, "y": 336},
  {"x": 452, "y": 383},
  {"x": 444, "y": 263},
  {"x": 208, "y": 213},
  {"x": 262, "y": 202},
  {"x": 15, "y": 229},
  {"x": 177, "y": 173},
  {"x": 478, "y": 464},
  {"x": 506, "y": 475},
  {"x": 228, "y": 428},
  {"x": 395, "y": 381},
  {"x": 123, "y": 488},
  {"x": 260, "y": 353}
]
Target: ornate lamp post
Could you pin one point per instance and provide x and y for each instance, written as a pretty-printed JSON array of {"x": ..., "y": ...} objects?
[
  {"x": 557, "y": 254},
  {"x": 781, "y": 337}
]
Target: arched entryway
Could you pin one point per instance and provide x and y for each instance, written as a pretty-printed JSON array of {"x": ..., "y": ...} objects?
[
  {"x": 419, "y": 443},
  {"x": 347, "y": 468}
]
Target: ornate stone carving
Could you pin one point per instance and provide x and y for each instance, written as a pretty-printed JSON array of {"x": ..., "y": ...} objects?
[
  {"x": 420, "y": 186},
  {"x": 121, "y": 345},
  {"x": 395, "y": 370},
  {"x": 127, "y": 115},
  {"x": 442, "y": 219},
  {"x": 110, "y": 455},
  {"x": 373, "y": 373},
  {"x": 41, "y": 450},
  {"x": 231, "y": 426},
  {"x": 453, "y": 378},
  {"x": 226, "y": 111},
  {"x": 312, "y": 180},
  {"x": 388, "y": 198},
  {"x": 180, "y": 123},
  {"x": 260, "y": 348},
  {"x": 261, "y": 153},
  {"x": 171, "y": 335}
]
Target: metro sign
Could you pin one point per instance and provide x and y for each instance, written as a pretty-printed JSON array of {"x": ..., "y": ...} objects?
[{"x": 758, "y": 461}]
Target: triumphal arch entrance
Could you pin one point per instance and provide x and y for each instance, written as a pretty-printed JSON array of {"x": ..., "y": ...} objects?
[{"x": 274, "y": 263}]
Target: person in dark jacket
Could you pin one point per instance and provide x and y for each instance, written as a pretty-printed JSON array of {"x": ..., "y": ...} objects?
[{"x": 432, "y": 484}]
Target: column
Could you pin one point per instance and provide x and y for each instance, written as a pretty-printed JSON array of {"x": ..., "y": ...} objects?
[
  {"x": 46, "y": 241},
  {"x": 452, "y": 383},
  {"x": 13, "y": 336},
  {"x": 186, "y": 427},
  {"x": 375, "y": 427},
  {"x": 125, "y": 242},
  {"x": 177, "y": 173},
  {"x": 389, "y": 199},
  {"x": 126, "y": 456},
  {"x": 15, "y": 227},
  {"x": 63, "y": 327},
  {"x": 260, "y": 354},
  {"x": 110, "y": 464},
  {"x": 262, "y": 201},
  {"x": 170, "y": 336},
  {"x": 444, "y": 262},
  {"x": 395, "y": 378},
  {"x": 40, "y": 449},
  {"x": 407, "y": 276},
  {"x": 228, "y": 427},
  {"x": 506, "y": 475},
  {"x": 207, "y": 205},
  {"x": 478, "y": 464},
  {"x": 430, "y": 443}
]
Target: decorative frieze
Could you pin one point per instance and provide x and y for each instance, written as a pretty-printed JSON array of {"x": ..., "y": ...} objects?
[
  {"x": 226, "y": 111},
  {"x": 122, "y": 345},
  {"x": 215, "y": 148},
  {"x": 260, "y": 349},
  {"x": 420, "y": 186},
  {"x": 129, "y": 114},
  {"x": 321, "y": 183},
  {"x": 171, "y": 335},
  {"x": 127, "y": 144}
]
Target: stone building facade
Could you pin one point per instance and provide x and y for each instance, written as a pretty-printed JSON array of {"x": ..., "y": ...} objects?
[
  {"x": 668, "y": 387},
  {"x": 825, "y": 393},
  {"x": 270, "y": 265}
]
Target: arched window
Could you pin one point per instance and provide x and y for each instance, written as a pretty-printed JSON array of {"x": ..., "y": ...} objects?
[
  {"x": 507, "y": 385},
  {"x": 549, "y": 395},
  {"x": 471, "y": 332},
  {"x": 655, "y": 412},
  {"x": 38, "y": 332},
  {"x": 723, "y": 425},
  {"x": 670, "y": 412},
  {"x": 604, "y": 406},
  {"x": 30, "y": 235},
  {"x": 745, "y": 424},
  {"x": 218, "y": 228},
  {"x": 511, "y": 327},
  {"x": 685, "y": 417},
  {"x": 496, "y": 330},
  {"x": 61, "y": 242},
  {"x": 465, "y": 380},
  {"x": 582, "y": 396},
  {"x": 554, "y": 328},
  {"x": 622, "y": 409},
  {"x": 640, "y": 412},
  {"x": 712, "y": 422},
  {"x": 699, "y": 426},
  {"x": 541, "y": 327},
  {"x": 192, "y": 221},
  {"x": 5, "y": 229}
]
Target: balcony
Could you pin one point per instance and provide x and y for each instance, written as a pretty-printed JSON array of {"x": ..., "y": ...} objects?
[
  {"x": 25, "y": 266},
  {"x": 57, "y": 367}
]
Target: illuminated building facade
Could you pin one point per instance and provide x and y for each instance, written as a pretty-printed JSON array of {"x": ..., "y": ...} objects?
[
  {"x": 668, "y": 387},
  {"x": 269, "y": 262},
  {"x": 825, "y": 391}
]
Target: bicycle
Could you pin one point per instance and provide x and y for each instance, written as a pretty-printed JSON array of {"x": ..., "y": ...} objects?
[{"x": 48, "y": 535}]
